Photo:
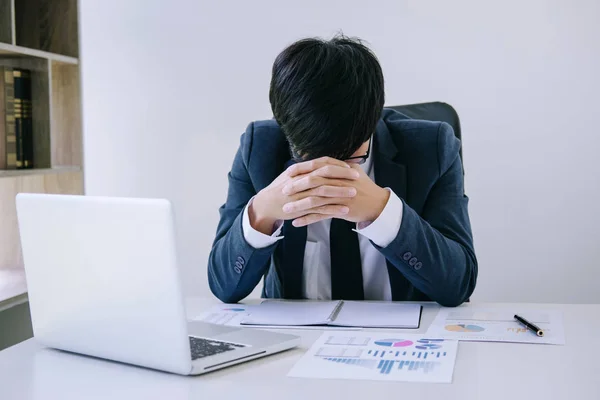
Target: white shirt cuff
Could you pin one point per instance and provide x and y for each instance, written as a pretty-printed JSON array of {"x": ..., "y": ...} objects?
[
  {"x": 257, "y": 239},
  {"x": 385, "y": 228}
]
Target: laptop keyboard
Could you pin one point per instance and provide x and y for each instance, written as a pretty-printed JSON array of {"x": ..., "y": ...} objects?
[{"x": 207, "y": 347}]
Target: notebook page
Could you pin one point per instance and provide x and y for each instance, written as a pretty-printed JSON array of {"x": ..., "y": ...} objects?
[
  {"x": 368, "y": 314},
  {"x": 291, "y": 313}
]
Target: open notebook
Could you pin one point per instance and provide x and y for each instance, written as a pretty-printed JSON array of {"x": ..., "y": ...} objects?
[{"x": 362, "y": 314}]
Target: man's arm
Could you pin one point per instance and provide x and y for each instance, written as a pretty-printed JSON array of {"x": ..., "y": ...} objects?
[
  {"x": 234, "y": 266},
  {"x": 435, "y": 251},
  {"x": 242, "y": 248}
]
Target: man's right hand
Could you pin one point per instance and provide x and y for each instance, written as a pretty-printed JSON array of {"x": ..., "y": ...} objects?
[{"x": 330, "y": 190}]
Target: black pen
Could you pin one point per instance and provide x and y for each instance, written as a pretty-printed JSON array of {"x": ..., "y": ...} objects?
[{"x": 529, "y": 325}]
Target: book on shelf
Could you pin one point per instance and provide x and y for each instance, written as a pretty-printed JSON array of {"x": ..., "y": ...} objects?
[
  {"x": 2, "y": 122},
  {"x": 9, "y": 142},
  {"x": 23, "y": 120},
  {"x": 16, "y": 133}
]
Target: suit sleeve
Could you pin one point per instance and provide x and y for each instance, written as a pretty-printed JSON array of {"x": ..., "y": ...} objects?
[
  {"x": 434, "y": 250},
  {"x": 234, "y": 266}
]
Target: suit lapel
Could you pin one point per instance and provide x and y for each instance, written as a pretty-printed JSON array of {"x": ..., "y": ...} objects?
[
  {"x": 390, "y": 173},
  {"x": 290, "y": 254}
]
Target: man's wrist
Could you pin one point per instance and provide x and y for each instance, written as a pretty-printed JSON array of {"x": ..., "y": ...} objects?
[
  {"x": 258, "y": 220},
  {"x": 379, "y": 204},
  {"x": 384, "y": 229}
]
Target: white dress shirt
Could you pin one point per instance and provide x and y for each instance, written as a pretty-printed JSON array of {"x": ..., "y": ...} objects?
[{"x": 316, "y": 273}]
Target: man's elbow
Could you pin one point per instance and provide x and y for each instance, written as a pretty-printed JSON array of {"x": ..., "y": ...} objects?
[
  {"x": 462, "y": 289},
  {"x": 222, "y": 293},
  {"x": 220, "y": 289},
  {"x": 450, "y": 301}
]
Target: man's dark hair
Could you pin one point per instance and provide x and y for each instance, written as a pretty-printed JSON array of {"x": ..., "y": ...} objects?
[{"x": 327, "y": 95}]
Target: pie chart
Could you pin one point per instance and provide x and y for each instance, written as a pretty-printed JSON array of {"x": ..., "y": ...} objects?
[
  {"x": 464, "y": 328},
  {"x": 393, "y": 342}
]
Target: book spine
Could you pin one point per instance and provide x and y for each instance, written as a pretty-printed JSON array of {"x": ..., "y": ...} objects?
[
  {"x": 9, "y": 119},
  {"x": 2, "y": 122},
  {"x": 22, "y": 95},
  {"x": 28, "y": 122}
]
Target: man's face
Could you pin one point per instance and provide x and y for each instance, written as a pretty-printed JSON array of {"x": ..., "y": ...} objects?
[{"x": 360, "y": 155}]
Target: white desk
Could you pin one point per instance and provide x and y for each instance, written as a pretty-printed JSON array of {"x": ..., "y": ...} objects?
[{"x": 483, "y": 371}]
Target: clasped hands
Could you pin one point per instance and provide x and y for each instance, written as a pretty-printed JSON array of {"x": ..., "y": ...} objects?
[{"x": 315, "y": 190}]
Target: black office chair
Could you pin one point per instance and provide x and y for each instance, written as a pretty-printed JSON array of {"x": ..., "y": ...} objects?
[{"x": 434, "y": 111}]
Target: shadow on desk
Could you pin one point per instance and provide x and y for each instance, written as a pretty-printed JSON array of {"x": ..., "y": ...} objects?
[{"x": 73, "y": 376}]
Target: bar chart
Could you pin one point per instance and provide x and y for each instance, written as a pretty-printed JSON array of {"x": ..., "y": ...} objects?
[
  {"x": 387, "y": 354},
  {"x": 386, "y": 366}
]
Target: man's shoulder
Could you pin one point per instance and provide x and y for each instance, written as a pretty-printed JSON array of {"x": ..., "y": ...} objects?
[
  {"x": 267, "y": 129},
  {"x": 264, "y": 135},
  {"x": 417, "y": 130},
  {"x": 264, "y": 151},
  {"x": 422, "y": 139}
]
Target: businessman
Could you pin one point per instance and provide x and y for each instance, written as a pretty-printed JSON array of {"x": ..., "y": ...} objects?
[{"x": 340, "y": 198}]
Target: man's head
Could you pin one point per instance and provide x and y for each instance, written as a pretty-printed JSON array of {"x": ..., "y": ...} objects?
[{"x": 327, "y": 96}]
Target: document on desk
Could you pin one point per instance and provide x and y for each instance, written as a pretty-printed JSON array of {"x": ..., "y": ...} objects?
[
  {"x": 378, "y": 356},
  {"x": 233, "y": 314},
  {"x": 342, "y": 313},
  {"x": 477, "y": 323}
]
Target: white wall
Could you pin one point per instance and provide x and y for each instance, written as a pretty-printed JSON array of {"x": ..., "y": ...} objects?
[{"x": 169, "y": 86}]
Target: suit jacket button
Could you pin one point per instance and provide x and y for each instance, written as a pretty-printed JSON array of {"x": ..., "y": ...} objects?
[
  {"x": 418, "y": 266},
  {"x": 241, "y": 260},
  {"x": 237, "y": 269},
  {"x": 412, "y": 261},
  {"x": 238, "y": 265},
  {"x": 407, "y": 256}
]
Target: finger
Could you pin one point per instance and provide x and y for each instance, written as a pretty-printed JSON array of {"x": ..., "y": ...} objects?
[
  {"x": 331, "y": 209},
  {"x": 309, "y": 182},
  {"x": 309, "y": 166},
  {"x": 311, "y": 219},
  {"x": 312, "y": 202},
  {"x": 327, "y": 191},
  {"x": 336, "y": 172}
]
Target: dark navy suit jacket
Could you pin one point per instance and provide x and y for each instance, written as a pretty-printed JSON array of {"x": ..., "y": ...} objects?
[{"x": 432, "y": 256}]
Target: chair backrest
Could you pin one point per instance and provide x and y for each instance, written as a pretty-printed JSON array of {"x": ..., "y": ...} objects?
[{"x": 434, "y": 111}]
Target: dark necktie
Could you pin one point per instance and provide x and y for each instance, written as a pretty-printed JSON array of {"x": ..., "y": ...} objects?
[{"x": 346, "y": 270}]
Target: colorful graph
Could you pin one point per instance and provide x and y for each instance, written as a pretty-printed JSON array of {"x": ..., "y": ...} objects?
[
  {"x": 429, "y": 344},
  {"x": 393, "y": 342},
  {"x": 430, "y": 340},
  {"x": 387, "y": 354},
  {"x": 386, "y": 366},
  {"x": 464, "y": 328},
  {"x": 353, "y": 361}
]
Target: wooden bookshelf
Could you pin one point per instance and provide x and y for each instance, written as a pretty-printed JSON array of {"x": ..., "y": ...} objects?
[{"x": 42, "y": 36}]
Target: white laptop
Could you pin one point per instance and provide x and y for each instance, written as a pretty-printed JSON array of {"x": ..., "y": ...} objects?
[{"x": 103, "y": 281}]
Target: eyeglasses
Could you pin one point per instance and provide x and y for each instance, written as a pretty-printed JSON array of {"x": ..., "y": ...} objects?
[
  {"x": 360, "y": 159},
  {"x": 355, "y": 160}
]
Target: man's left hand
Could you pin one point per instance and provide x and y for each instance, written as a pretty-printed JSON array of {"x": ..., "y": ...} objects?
[{"x": 369, "y": 202}]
